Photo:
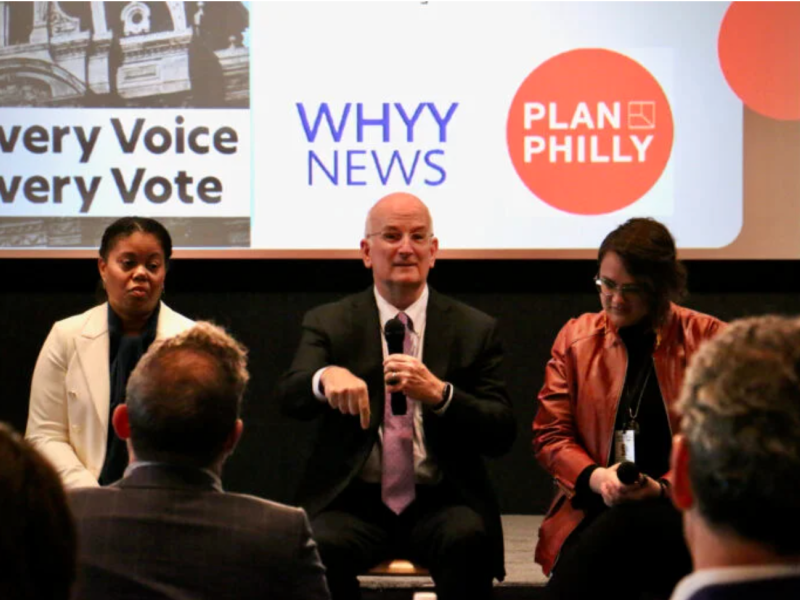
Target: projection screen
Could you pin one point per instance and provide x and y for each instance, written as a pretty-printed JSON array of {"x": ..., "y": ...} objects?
[{"x": 530, "y": 129}]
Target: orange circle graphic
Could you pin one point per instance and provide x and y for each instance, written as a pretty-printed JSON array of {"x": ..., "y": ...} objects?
[
  {"x": 759, "y": 53},
  {"x": 590, "y": 131}
]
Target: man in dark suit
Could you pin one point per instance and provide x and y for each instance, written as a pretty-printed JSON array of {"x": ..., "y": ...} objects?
[
  {"x": 167, "y": 529},
  {"x": 737, "y": 463},
  {"x": 382, "y": 484}
]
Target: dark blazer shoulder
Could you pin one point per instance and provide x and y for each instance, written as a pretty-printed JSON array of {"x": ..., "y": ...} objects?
[
  {"x": 261, "y": 515},
  {"x": 460, "y": 310},
  {"x": 352, "y": 301},
  {"x": 86, "y": 500},
  {"x": 284, "y": 511},
  {"x": 271, "y": 520},
  {"x": 342, "y": 309}
]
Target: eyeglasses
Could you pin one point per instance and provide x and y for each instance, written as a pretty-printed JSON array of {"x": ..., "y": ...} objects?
[
  {"x": 607, "y": 287},
  {"x": 393, "y": 237}
]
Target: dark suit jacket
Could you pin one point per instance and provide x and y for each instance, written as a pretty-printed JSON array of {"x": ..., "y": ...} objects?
[
  {"x": 461, "y": 346},
  {"x": 171, "y": 532},
  {"x": 779, "y": 588}
]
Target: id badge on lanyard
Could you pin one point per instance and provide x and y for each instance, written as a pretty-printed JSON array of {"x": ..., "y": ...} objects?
[
  {"x": 624, "y": 445},
  {"x": 625, "y": 439}
]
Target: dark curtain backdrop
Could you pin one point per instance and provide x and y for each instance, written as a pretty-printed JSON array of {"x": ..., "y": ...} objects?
[{"x": 262, "y": 303}]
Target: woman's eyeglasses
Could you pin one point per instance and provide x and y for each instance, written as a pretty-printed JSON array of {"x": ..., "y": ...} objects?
[{"x": 608, "y": 287}]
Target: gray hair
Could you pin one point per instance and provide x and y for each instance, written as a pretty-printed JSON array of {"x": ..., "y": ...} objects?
[{"x": 740, "y": 415}]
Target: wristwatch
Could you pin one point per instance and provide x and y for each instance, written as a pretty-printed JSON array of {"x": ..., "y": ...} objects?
[{"x": 448, "y": 387}]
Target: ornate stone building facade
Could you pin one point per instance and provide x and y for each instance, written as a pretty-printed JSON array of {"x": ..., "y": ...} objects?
[{"x": 126, "y": 54}]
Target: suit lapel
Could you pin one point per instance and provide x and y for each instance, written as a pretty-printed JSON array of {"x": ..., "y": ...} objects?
[
  {"x": 164, "y": 325},
  {"x": 438, "y": 336},
  {"x": 436, "y": 354},
  {"x": 367, "y": 327},
  {"x": 169, "y": 323},
  {"x": 91, "y": 347}
]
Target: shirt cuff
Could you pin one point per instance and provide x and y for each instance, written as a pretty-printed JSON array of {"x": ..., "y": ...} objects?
[
  {"x": 316, "y": 385},
  {"x": 440, "y": 408}
]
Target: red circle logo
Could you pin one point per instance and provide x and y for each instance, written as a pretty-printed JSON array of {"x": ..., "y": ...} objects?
[
  {"x": 590, "y": 131},
  {"x": 759, "y": 52}
]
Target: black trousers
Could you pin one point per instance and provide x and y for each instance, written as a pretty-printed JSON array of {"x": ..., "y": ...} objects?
[
  {"x": 634, "y": 551},
  {"x": 437, "y": 531}
]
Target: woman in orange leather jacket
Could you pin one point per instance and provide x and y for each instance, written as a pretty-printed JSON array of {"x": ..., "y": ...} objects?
[{"x": 609, "y": 386}]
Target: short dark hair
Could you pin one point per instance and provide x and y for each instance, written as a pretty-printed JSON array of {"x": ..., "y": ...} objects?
[
  {"x": 647, "y": 250},
  {"x": 37, "y": 531},
  {"x": 185, "y": 395},
  {"x": 126, "y": 226},
  {"x": 740, "y": 408}
]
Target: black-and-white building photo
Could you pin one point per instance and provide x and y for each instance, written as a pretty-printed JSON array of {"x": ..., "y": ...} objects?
[
  {"x": 115, "y": 58},
  {"x": 124, "y": 54}
]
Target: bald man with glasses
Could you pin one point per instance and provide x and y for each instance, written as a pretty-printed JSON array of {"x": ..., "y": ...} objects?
[{"x": 387, "y": 483}]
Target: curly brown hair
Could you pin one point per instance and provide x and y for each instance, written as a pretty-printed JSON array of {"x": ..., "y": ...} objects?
[{"x": 740, "y": 415}]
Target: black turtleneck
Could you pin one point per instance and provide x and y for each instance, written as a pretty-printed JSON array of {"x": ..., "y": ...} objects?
[
  {"x": 641, "y": 396},
  {"x": 653, "y": 443}
]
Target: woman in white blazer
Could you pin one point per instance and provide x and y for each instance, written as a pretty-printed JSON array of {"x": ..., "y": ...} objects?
[{"x": 83, "y": 367}]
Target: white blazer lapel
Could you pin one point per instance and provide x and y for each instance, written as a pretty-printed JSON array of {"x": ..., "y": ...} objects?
[
  {"x": 170, "y": 323},
  {"x": 92, "y": 348}
]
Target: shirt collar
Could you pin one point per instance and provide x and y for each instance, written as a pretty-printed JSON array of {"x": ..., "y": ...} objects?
[
  {"x": 149, "y": 463},
  {"x": 690, "y": 584},
  {"x": 416, "y": 311}
]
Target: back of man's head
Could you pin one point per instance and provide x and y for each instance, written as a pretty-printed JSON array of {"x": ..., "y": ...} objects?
[
  {"x": 184, "y": 396},
  {"x": 37, "y": 534},
  {"x": 741, "y": 422}
]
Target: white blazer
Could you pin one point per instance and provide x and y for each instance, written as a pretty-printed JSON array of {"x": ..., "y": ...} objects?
[{"x": 71, "y": 390}]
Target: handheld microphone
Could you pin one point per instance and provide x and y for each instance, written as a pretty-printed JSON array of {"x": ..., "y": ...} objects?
[
  {"x": 628, "y": 472},
  {"x": 395, "y": 333}
]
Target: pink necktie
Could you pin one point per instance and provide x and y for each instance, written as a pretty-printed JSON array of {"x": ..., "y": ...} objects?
[{"x": 397, "y": 472}]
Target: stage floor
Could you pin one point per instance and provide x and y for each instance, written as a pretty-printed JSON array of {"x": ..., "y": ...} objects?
[{"x": 520, "y": 533}]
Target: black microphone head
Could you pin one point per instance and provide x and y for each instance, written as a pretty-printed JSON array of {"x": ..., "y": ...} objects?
[
  {"x": 628, "y": 472},
  {"x": 395, "y": 333}
]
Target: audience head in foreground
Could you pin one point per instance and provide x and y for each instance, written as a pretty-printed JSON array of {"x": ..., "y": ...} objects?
[
  {"x": 37, "y": 534},
  {"x": 169, "y": 514},
  {"x": 184, "y": 399},
  {"x": 737, "y": 460}
]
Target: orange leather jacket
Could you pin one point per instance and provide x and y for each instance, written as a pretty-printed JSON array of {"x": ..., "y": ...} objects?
[{"x": 574, "y": 424}]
